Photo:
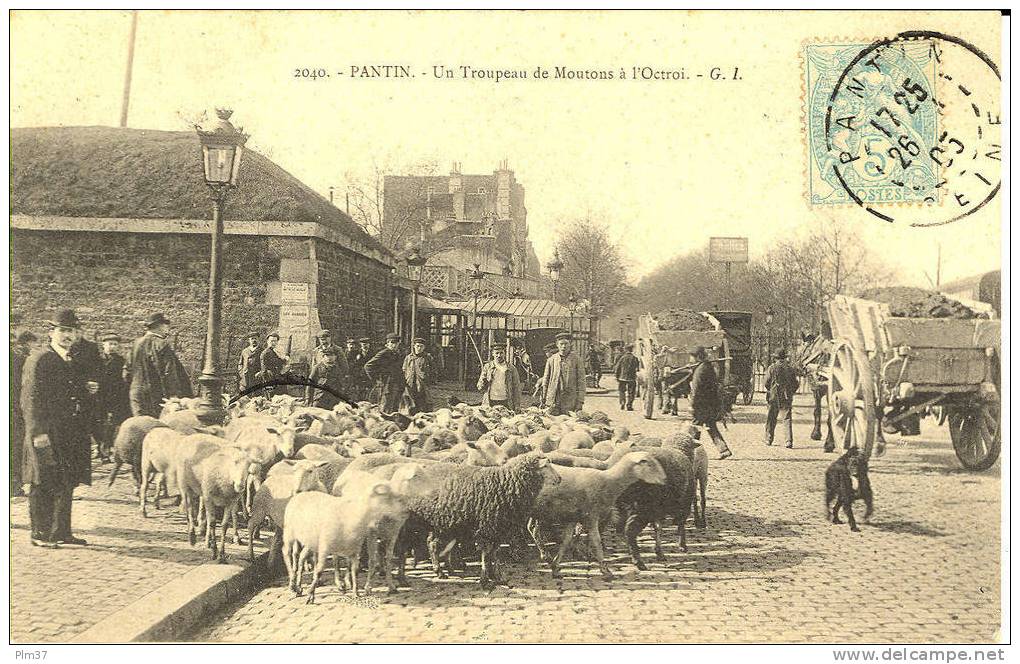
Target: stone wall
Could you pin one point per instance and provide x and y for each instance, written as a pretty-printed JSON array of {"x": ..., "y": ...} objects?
[{"x": 114, "y": 280}]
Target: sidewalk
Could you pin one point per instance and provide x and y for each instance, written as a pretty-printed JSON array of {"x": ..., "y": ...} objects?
[{"x": 58, "y": 594}]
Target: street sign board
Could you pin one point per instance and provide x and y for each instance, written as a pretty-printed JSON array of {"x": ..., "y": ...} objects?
[{"x": 727, "y": 250}]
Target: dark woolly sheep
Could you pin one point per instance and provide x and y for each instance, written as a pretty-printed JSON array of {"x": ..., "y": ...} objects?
[
  {"x": 127, "y": 445},
  {"x": 381, "y": 430},
  {"x": 442, "y": 439},
  {"x": 471, "y": 428},
  {"x": 487, "y": 506},
  {"x": 642, "y": 504}
]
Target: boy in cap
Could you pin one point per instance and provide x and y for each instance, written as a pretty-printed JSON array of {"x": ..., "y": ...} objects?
[
  {"x": 418, "y": 373},
  {"x": 114, "y": 406},
  {"x": 156, "y": 371},
  {"x": 386, "y": 371},
  {"x": 564, "y": 380},
  {"x": 56, "y": 448}
]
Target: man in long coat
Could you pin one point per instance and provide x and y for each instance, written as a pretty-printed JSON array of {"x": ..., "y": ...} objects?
[
  {"x": 418, "y": 373},
  {"x": 57, "y": 446},
  {"x": 386, "y": 371},
  {"x": 706, "y": 400},
  {"x": 20, "y": 351},
  {"x": 156, "y": 372},
  {"x": 249, "y": 363},
  {"x": 781, "y": 384},
  {"x": 564, "y": 380},
  {"x": 626, "y": 370}
]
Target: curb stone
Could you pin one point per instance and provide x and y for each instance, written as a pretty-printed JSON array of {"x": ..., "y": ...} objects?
[{"x": 173, "y": 610}]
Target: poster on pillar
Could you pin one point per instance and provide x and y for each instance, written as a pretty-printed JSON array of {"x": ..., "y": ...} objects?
[{"x": 298, "y": 324}]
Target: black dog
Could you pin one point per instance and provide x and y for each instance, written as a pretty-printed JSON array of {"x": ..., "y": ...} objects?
[{"x": 839, "y": 486}]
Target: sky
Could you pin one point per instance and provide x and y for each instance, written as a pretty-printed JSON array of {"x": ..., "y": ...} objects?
[{"x": 665, "y": 163}]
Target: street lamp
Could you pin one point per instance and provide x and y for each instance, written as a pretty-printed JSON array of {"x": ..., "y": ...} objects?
[
  {"x": 555, "y": 266},
  {"x": 768, "y": 336},
  {"x": 573, "y": 305},
  {"x": 222, "y": 146},
  {"x": 415, "y": 263},
  {"x": 476, "y": 275}
]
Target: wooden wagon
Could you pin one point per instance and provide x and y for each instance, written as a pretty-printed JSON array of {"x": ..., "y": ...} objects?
[{"x": 884, "y": 369}]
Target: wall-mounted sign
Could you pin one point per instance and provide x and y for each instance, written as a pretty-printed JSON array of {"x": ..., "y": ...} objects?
[{"x": 293, "y": 292}]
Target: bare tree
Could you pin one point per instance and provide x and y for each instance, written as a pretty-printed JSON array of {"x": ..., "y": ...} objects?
[
  {"x": 398, "y": 218},
  {"x": 593, "y": 268}
]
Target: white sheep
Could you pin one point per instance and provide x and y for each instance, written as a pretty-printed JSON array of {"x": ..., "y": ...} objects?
[
  {"x": 320, "y": 525},
  {"x": 189, "y": 453},
  {"x": 159, "y": 459},
  {"x": 220, "y": 479},
  {"x": 272, "y": 497},
  {"x": 587, "y": 496}
]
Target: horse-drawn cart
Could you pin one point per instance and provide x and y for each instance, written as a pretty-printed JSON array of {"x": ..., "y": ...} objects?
[
  {"x": 885, "y": 369},
  {"x": 658, "y": 349}
]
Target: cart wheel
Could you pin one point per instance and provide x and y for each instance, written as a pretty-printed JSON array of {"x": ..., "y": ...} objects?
[
  {"x": 976, "y": 435},
  {"x": 748, "y": 395},
  {"x": 852, "y": 399}
]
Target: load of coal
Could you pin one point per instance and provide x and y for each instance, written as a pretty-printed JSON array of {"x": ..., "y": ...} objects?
[
  {"x": 682, "y": 319},
  {"x": 910, "y": 302}
]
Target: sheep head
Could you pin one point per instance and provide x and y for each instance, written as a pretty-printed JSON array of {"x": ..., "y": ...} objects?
[
  {"x": 284, "y": 438},
  {"x": 549, "y": 475},
  {"x": 485, "y": 453},
  {"x": 642, "y": 467}
]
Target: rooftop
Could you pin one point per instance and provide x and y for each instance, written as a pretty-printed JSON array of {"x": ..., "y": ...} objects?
[{"x": 113, "y": 172}]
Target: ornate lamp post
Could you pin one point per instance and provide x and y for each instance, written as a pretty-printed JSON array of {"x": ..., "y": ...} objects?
[
  {"x": 222, "y": 146},
  {"x": 555, "y": 266},
  {"x": 476, "y": 275},
  {"x": 415, "y": 263}
]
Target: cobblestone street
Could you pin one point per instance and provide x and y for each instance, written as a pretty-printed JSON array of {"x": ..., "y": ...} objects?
[{"x": 768, "y": 568}]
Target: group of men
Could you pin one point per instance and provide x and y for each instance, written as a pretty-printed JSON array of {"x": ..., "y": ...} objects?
[{"x": 70, "y": 391}]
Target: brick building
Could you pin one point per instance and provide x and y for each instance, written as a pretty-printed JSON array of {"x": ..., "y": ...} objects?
[
  {"x": 115, "y": 223},
  {"x": 465, "y": 218}
]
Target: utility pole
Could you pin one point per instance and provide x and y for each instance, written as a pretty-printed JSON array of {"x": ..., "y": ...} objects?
[
  {"x": 127, "y": 74},
  {"x": 938, "y": 267}
]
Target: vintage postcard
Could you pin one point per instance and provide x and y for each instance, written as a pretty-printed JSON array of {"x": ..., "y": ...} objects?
[{"x": 498, "y": 327}]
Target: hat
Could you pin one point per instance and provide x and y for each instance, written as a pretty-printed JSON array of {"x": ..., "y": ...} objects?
[
  {"x": 392, "y": 336},
  {"x": 781, "y": 354},
  {"x": 498, "y": 347},
  {"x": 109, "y": 336},
  {"x": 699, "y": 353},
  {"x": 629, "y": 347},
  {"x": 155, "y": 319},
  {"x": 65, "y": 318},
  {"x": 351, "y": 340},
  {"x": 417, "y": 340},
  {"x": 549, "y": 347},
  {"x": 253, "y": 335},
  {"x": 26, "y": 337},
  {"x": 325, "y": 333},
  {"x": 364, "y": 340},
  {"x": 563, "y": 335}
]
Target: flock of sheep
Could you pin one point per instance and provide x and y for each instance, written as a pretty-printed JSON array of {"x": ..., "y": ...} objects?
[{"x": 359, "y": 485}]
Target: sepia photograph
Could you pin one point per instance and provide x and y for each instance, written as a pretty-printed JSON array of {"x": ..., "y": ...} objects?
[{"x": 509, "y": 327}]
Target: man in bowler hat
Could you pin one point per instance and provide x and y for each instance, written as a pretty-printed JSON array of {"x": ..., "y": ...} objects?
[
  {"x": 156, "y": 372},
  {"x": 57, "y": 448}
]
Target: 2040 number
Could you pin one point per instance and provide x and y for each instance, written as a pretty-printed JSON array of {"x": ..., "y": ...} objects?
[{"x": 311, "y": 74}]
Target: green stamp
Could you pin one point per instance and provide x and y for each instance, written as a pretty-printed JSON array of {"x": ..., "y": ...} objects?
[{"x": 881, "y": 160}]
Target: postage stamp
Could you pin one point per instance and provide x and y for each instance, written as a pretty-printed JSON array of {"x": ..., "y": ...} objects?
[{"x": 876, "y": 178}]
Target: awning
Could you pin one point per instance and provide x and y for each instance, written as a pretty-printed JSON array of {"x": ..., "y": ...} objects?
[
  {"x": 432, "y": 305},
  {"x": 517, "y": 307}
]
